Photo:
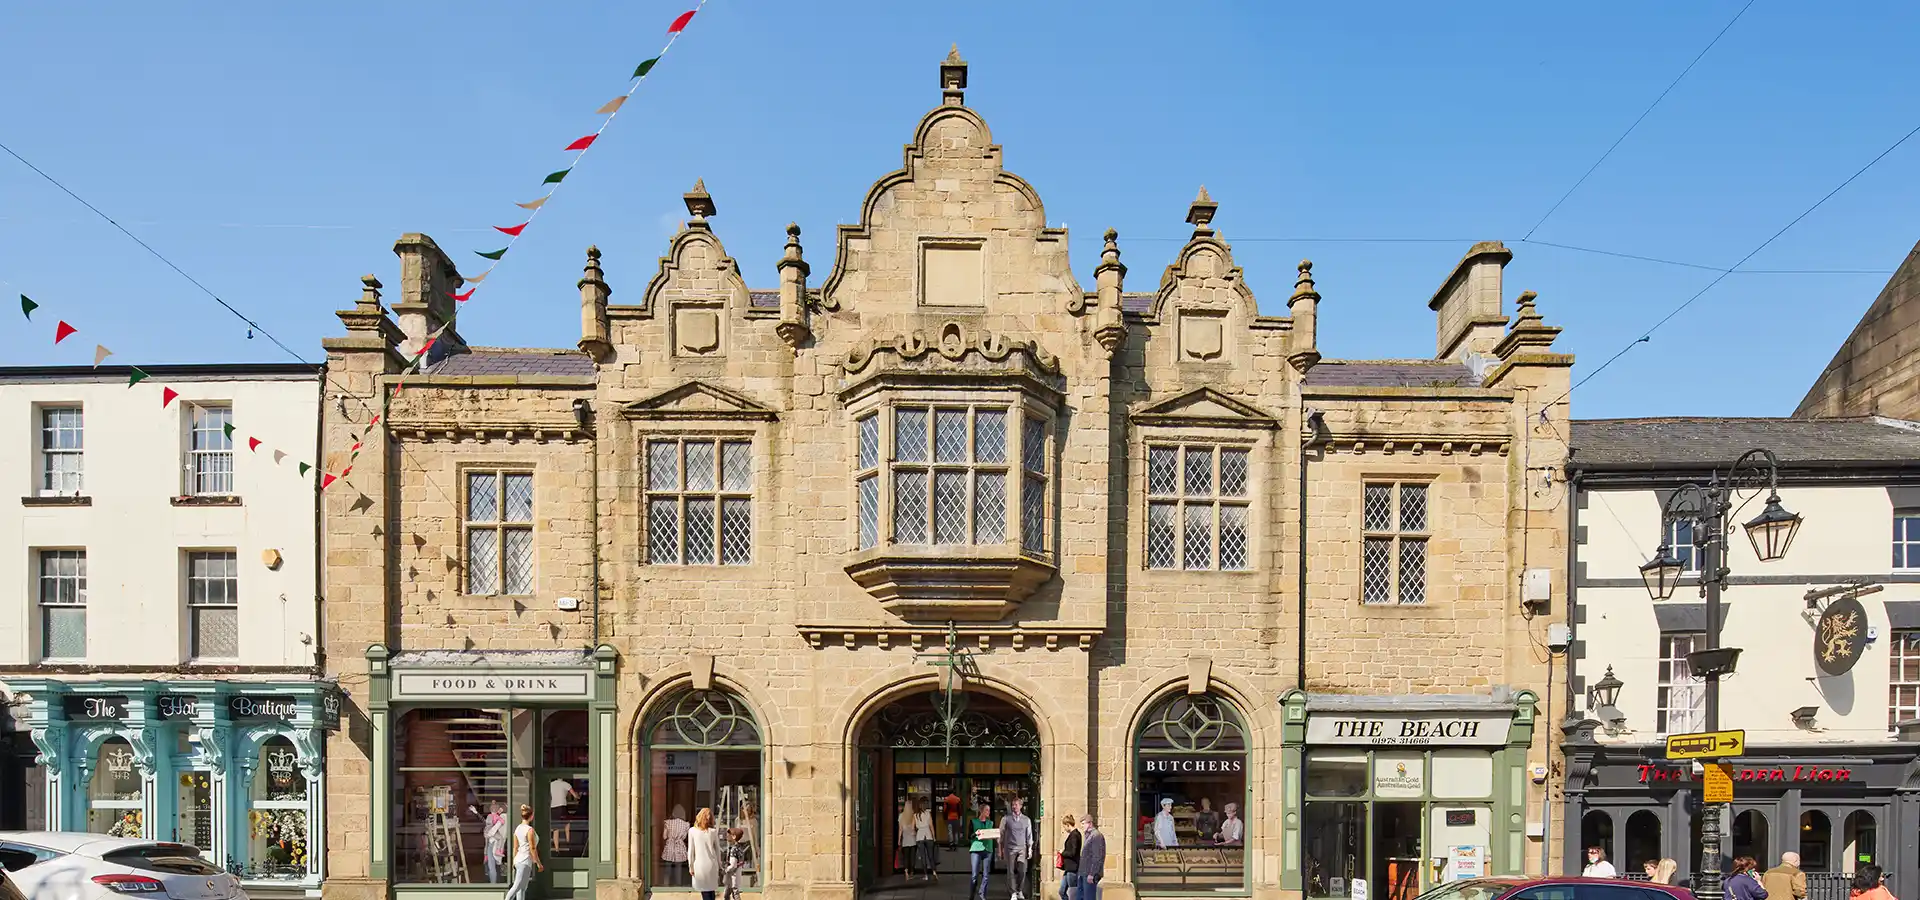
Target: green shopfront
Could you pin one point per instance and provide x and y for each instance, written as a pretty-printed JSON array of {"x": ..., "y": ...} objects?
[
  {"x": 235, "y": 768},
  {"x": 462, "y": 739},
  {"x": 1403, "y": 792}
]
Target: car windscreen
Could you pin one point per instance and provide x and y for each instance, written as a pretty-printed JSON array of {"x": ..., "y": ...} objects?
[{"x": 172, "y": 859}]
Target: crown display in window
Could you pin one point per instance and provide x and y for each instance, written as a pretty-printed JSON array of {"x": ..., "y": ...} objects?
[
  {"x": 119, "y": 763},
  {"x": 280, "y": 765}
]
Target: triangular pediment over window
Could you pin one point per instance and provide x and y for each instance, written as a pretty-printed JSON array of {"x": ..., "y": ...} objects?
[
  {"x": 1204, "y": 407},
  {"x": 698, "y": 400}
]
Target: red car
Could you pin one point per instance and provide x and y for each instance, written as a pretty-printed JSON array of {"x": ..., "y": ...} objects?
[{"x": 1567, "y": 887}]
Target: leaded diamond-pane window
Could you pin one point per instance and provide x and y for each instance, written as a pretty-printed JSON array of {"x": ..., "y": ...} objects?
[
  {"x": 1208, "y": 488},
  {"x": 213, "y": 604},
  {"x": 1395, "y": 520},
  {"x": 949, "y": 476},
  {"x": 699, "y": 502},
  {"x": 1033, "y": 493},
  {"x": 499, "y": 532}
]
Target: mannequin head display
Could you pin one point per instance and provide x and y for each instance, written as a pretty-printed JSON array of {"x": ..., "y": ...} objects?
[
  {"x": 1166, "y": 806},
  {"x": 1206, "y": 805},
  {"x": 1233, "y": 810}
]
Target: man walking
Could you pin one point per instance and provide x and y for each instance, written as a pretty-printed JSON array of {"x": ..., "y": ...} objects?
[
  {"x": 1785, "y": 881},
  {"x": 1093, "y": 859},
  {"x": 1016, "y": 847}
]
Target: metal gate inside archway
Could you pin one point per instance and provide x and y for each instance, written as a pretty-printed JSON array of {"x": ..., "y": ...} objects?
[{"x": 910, "y": 761}]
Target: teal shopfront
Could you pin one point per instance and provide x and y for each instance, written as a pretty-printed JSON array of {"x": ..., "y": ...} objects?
[{"x": 235, "y": 768}]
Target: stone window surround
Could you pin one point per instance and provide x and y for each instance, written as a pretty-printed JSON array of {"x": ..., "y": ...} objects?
[
  {"x": 1019, "y": 405},
  {"x": 1254, "y": 439},
  {"x": 43, "y": 572},
  {"x": 499, "y": 469},
  {"x": 1395, "y": 480},
  {"x": 720, "y": 435},
  {"x": 48, "y": 427}
]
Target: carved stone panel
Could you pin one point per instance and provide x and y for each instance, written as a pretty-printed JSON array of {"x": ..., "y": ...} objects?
[
  {"x": 696, "y": 331},
  {"x": 1202, "y": 337}
]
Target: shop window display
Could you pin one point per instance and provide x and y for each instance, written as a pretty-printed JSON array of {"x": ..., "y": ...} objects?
[
  {"x": 703, "y": 752},
  {"x": 193, "y": 809},
  {"x": 1190, "y": 815},
  {"x": 113, "y": 791},
  {"x": 461, "y": 775},
  {"x": 277, "y": 813},
  {"x": 1370, "y": 814}
]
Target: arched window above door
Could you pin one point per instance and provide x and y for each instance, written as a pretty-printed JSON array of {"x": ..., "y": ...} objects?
[
  {"x": 703, "y": 751},
  {"x": 1190, "y": 796}
]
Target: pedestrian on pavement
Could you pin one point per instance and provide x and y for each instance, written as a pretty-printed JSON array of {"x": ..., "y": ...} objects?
[
  {"x": 981, "y": 850},
  {"x": 1660, "y": 871},
  {"x": 923, "y": 840},
  {"x": 703, "y": 854},
  {"x": 1069, "y": 860},
  {"x": 1744, "y": 883},
  {"x": 1785, "y": 881},
  {"x": 1016, "y": 847},
  {"x": 736, "y": 856},
  {"x": 1597, "y": 865},
  {"x": 909, "y": 852},
  {"x": 526, "y": 855},
  {"x": 1868, "y": 884},
  {"x": 1093, "y": 859}
]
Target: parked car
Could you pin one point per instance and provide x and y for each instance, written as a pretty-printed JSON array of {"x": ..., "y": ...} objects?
[
  {"x": 1555, "y": 888},
  {"x": 7, "y": 890},
  {"x": 69, "y": 865}
]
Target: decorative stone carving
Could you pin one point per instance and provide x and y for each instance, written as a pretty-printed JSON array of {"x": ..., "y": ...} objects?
[
  {"x": 954, "y": 342},
  {"x": 1201, "y": 337},
  {"x": 940, "y": 583},
  {"x": 696, "y": 331}
]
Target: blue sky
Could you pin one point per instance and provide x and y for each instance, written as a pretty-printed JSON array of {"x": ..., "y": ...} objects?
[{"x": 276, "y": 153}]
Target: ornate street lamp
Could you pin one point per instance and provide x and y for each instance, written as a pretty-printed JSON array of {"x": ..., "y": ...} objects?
[
  {"x": 1773, "y": 529},
  {"x": 1662, "y": 573},
  {"x": 950, "y": 699},
  {"x": 1709, "y": 509},
  {"x": 1603, "y": 697}
]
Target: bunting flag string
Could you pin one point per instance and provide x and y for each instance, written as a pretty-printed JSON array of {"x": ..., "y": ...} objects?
[
  {"x": 136, "y": 375},
  {"x": 580, "y": 146}
]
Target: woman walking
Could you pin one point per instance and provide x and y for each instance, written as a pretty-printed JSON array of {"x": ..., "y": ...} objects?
[
  {"x": 909, "y": 853},
  {"x": 1660, "y": 871},
  {"x": 923, "y": 840},
  {"x": 526, "y": 855},
  {"x": 982, "y": 852},
  {"x": 1744, "y": 882},
  {"x": 703, "y": 854},
  {"x": 1069, "y": 859}
]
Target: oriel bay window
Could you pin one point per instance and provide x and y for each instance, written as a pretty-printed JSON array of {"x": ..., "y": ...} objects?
[{"x": 938, "y": 474}]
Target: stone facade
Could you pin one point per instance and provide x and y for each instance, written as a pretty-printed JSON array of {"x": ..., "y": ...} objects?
[
  {"x": 1876, "y": 372},
  {"x": 951, "y": 291}
]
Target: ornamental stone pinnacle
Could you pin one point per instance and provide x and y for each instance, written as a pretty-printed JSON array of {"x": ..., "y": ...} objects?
[
  {"x": 1200, "y": 212},
  {"x": 699, "y": 204},
  {"x": 953, "y": 78}
]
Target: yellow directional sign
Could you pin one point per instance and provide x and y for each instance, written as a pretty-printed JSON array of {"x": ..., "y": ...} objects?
[
  {"x": 1706, "y": 745},
  {"x": 1717, "y": 783}
]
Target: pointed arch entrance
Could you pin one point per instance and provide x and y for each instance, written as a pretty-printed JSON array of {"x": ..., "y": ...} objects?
[{"x": 905, "y": 757}]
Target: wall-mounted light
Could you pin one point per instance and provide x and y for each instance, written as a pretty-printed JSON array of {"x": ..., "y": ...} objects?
[{"x": 1803, "y": 717}]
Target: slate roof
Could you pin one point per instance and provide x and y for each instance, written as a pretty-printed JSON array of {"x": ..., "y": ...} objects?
[
  {"x": 515, "y": 361},
  {"x": 1137, "y": 303},
  {"x": 763, "y": 299},
  {"x": 1699, "y": 442},
  {"x": 1390, "y": 373}
]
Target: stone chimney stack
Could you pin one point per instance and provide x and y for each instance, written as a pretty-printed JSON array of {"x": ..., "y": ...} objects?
[
  {"x": 428, "y": 280},
  {"x": 953, "y": 79},
  {"x": 593, "y": 309},
  {"x": 1109, "y": 322},
  {"x": 794, "y": 327},
  {"x": 1305, "y": 307},
  {"x": 1469, "y": 304}
]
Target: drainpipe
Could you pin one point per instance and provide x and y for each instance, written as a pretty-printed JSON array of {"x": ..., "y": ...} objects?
[
  {"x": 319, "y": 537},
  {"x": 583, "y": 414},
  {"x": 1315, "y": 425}
]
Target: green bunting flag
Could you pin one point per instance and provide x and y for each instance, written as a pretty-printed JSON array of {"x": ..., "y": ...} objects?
[
  {"x": 645, "y": 67},
  {"x": 228, "y": 428},
  {"x": 494, "y": 254},
  {"x": 557, "y": 177},
  {"x": 136, "y": 376},
  {"x": 27, "y": 306},
  {"x": 304, "y": 469}
]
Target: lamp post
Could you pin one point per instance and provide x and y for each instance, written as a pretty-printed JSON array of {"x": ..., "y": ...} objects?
[
  {"x": 1709, "y": 508},
  {"x": 956, "y": 664}
]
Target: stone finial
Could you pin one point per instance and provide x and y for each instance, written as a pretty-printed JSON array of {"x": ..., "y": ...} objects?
[
  {"x": 699, "y": 203},
  {"x": 1303, "y": 286},
  {"x": 1527, "y": 314},
  {"x": 591, "y": 274},
  {"x": 1200, "y": 212},
  {"x": 369, "y": 293},
  {"x": 1110, "y": 327},
  {"x": 793, "y": 249},
  {"x": 794, "y": 327},
  {"x": 1111, "y": 252},
  {"x": 953, "y": 78}
]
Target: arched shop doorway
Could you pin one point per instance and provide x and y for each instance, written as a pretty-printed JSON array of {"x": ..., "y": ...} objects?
[{"x": 907, "y": 754}]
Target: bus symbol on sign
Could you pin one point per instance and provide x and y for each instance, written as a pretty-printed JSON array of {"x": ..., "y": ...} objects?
[{"x": 1706, "y": 745}]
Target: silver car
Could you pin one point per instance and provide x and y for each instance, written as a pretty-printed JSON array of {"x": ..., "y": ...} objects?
[{"x": 73, "y": 865}]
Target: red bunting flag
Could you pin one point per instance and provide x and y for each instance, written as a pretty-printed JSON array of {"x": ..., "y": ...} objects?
[
  {"x": 582, "y": 143},
  {"x": 167, "y": 395},
  {"x": 60, "y": 333},
  {"x": 515, "y": 230},
  {"x": 374, "y": 421},
  {"x": 326, "y": 480},
  {"x": 681, "y": 22},
  {"x": 355, "y": 448},
  {"x": 463, "y": 297},
  {"x": 346, "y": 471},
  {"x": 253, "y": 443}
]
